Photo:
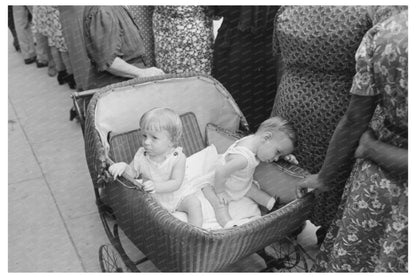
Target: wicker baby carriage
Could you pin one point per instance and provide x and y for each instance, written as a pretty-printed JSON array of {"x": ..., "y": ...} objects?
[{"x": 171, "y": 244}]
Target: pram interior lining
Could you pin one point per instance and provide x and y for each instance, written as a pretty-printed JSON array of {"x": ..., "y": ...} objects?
[{"x": 120, "y": 109}]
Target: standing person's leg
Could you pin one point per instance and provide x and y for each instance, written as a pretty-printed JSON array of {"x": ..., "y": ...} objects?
[
  {"x": 12, "y": 28},
  {"x": 24, "y": 33},
  {"x": 41, "y": 50},
  {"x": 51, "y": 63},
  {"x": 59, "y": 65},
  {"x": 67, "y": 62}
]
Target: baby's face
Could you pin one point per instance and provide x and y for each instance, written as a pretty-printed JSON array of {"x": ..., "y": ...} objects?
[
  {"x": 274, "y": 148},
  {"x": 156, "y": 142}
]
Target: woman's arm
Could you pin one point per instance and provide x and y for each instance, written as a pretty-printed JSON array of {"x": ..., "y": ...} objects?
[
  {"x": 389, "y": 157},
  {"x": 176, "y": 179},
  {"x": 120, "y": 67},
  {"x": 340, "y": 153},
  {"x": 344, "y": 141}
]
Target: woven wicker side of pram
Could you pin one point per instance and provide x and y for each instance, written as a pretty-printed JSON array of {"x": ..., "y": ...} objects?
[
  {"x": 183, "y": 251},
  {"x": 171, "y": 244}
]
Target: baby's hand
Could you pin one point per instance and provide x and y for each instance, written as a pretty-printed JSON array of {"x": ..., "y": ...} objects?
[
  {"x": 117, "y": 169},
  {"x": 149, "y": 186},
  {"x": 223, "y": 198},
  {"x": 291, "y": 159}
]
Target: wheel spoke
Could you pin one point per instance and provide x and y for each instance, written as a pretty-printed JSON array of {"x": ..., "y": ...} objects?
[
  {"x": 287, "y": 257},
  {"x": 110, "y": 260}
]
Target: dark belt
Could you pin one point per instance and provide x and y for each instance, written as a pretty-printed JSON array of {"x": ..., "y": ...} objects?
[{"x": 401, "y": 131}]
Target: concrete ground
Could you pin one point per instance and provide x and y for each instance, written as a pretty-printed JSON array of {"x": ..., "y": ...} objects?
[{"x": 53, "y": 223}]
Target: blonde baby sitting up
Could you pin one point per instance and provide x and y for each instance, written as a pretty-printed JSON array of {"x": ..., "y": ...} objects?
[
  {"x": 233, "y": 179},
  {"x": 161, "y": 164}
]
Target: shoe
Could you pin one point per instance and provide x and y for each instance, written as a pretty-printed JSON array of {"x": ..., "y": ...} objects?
[
  {"x": 16, "y": 46},
  {"x": 51, "y": 71},
  {"x": 72, "y": 114},
  {"x": 62, "y": 77},
  {"x": 30, "y": 60},
  {"x": 40, "y": 64},
  {"x": 71, "y": 81}
]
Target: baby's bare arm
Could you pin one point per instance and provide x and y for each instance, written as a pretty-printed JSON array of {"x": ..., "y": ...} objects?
[
  {"x": 233, "y": 163},
  {"x": 176, "y": 178}
]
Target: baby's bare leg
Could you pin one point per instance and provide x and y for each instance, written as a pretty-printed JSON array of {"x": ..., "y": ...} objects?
[
  {"x": 192, "y": 207},
  {"x": 260, "y": 197},
  {"x": 221, "y": 211}
]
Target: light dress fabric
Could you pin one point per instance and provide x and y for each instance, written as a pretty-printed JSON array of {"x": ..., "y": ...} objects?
[
  {"x": 239, "y": 183},
  {"x": 161, "y": 172},
  {"x": 200, "y": 171}
]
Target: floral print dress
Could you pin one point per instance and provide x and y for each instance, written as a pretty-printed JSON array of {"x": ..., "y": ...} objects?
[
  {"x": 47, "y": 22},
  {"x": 370, "y": 233},
  {"x": 183, "y": 39}
]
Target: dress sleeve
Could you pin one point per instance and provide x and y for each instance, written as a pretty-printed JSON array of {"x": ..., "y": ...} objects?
[
  {"x": 363, "y": 82},
  {"x": 104, "y": 37}
]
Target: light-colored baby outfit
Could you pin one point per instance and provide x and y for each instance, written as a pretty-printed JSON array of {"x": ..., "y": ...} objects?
[
  {"x": 239, "y": 183},
  {"x": 160, "y": 172}
]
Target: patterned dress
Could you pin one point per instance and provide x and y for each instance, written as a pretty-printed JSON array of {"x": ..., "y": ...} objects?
[
  {"x": 142, "y": 15},
  {"x": 317, "y": 45},
  {"x": 160, "y": 172},
  {"x": 47, "y": 22},
  {"x": 183, "y": 39},
  {"x": 371, "y": 228}
]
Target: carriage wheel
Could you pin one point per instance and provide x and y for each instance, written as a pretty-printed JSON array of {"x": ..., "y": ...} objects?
[
  {"x": 110, "y": 260},
  {"x": 286, "y": 256}
]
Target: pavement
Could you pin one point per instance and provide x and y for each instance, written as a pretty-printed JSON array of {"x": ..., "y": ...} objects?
[{"x": 53, "y": 222}]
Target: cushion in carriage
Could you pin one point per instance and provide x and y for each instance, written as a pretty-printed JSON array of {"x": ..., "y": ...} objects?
[{"x": 124, "y": 146}]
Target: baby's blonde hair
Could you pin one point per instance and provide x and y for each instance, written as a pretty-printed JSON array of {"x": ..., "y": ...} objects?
[
  {"x": 278, "y": 124},
  {"x": 163, "y": 119}
]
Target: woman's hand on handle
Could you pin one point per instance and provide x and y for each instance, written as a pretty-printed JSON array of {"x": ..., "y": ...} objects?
[{"x": 312, "y": 182}]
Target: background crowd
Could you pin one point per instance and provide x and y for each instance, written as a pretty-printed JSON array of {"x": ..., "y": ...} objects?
[{"x": 332, "y": 71}]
